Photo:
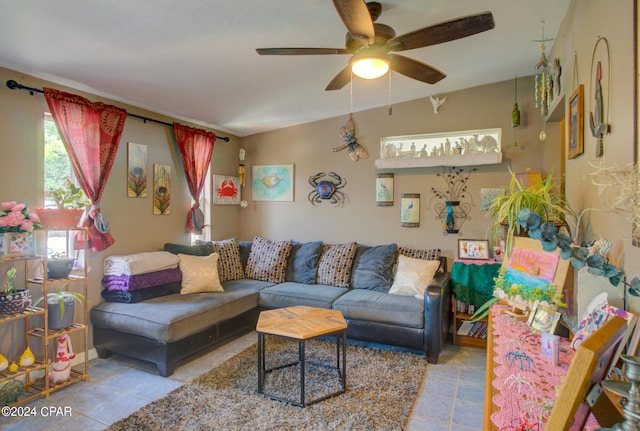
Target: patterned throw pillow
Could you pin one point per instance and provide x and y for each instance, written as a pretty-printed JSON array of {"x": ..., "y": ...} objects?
[
  {"x": 427, "y": 254},
  {"x": 229, "y": 263},
  {"x": 268, "y": 260},
  {"x": 335, "y": 264}
]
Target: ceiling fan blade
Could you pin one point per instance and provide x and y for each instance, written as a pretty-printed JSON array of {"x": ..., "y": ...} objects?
[
  {"x": 340, "y": 80},
  {"x": 356, "y": 18},
  {"x": 301, "y": 51},
  {"x": 443, "y": 32},
  {"x": 415, "y": 69}
]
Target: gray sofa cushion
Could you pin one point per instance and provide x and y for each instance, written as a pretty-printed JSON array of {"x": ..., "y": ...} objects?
[
  {"x": 372, "y": 306},
  {"x": 302, "y": 266},
  {"x": 245, "y": 251},
  {"x": 193, "y": 250},
  {"x": 373, "y": 267},
  {"x": 290, "y": 294},
  {"x": 174, "y": 317}
]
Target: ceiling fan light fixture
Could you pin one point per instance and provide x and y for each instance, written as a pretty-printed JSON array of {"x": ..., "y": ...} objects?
[{"x": 370, "y": 67}]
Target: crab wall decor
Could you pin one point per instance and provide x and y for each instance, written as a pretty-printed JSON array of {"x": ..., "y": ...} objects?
[
  {"x": 348, "y": 135},
  {"x": 327, "y": 189}
]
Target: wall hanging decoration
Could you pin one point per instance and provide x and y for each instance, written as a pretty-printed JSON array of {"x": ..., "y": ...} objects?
[
  {"x": 543, "y": 79},
  {"x": 348, "y": 135},
  {"x": 384, "y": 190},
  {"x": 327, "y": 187},
  {"x": 272, "y": 182},
  {"x": 410, "y": 210},
  {"x": 161, "y": 189},
  {"x": 576, "y": 123},
  {"x": 226, "y": 190},
  {"x": 136, "y": 170},
  {"x": 462, "y": 148},
  {"x": 598, "y": 109},
  {"x": 515, "y": 113},
  {"x": 488, "y": 195},
  {"x": 453, "y": 212},
  {"x": 437, "y": 102}
]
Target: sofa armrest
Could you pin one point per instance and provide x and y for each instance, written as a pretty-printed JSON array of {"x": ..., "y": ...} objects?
[{"x": 437, "y": 309}]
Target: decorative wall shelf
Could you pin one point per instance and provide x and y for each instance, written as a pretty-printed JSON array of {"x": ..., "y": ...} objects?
[
  {"x": 462, "y": 148},
  {"x": 425, "y": 162}
]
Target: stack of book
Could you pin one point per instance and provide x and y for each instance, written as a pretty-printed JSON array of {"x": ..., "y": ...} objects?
[{"x": 473, "y": 329}]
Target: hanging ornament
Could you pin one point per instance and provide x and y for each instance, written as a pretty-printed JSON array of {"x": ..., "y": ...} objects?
[
  {"x": 543, "y": 79},
  {"x": 515, "y": 114}
]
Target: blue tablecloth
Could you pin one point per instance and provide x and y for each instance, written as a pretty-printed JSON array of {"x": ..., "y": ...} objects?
[{"x": 473, "y": 282}]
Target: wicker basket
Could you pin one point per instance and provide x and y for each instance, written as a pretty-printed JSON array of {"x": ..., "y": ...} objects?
[{"x": 14, "y": 302}]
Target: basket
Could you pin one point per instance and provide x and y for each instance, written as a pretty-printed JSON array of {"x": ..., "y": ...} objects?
[{"x": 11, "y": 303}]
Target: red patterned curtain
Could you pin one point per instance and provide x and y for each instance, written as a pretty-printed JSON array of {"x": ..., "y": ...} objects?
[
  {"x": 196, "y": 148},
  {"x": 91, "y": 134}
]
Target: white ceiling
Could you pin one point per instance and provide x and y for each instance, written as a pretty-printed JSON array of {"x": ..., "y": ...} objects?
[{"x": 195, "y": 59}]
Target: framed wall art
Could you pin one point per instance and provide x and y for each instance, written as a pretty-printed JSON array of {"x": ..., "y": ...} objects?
[
  {"x": 226, "y": 190},
  {"x": 272, "y": 182},
  {"x": 161, "y": 189},
  {"x": 410, "y": 210},
  {"x": 543, "y": 318},
  {"x": 473, "y": 249},
  {"x": 136, "y": 170},
  {"x": 384, "y": 190},
  {"x": 576, "y": 123}
]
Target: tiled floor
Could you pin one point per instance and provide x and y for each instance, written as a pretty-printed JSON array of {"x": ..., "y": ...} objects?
[{"x": 451, "y": 397}]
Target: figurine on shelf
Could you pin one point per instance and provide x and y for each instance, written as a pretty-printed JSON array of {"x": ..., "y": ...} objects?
[
  {"x": 61, "y": 368},
  {"x": 27, "y": 359},
  {"x": 4, "y": 363}
]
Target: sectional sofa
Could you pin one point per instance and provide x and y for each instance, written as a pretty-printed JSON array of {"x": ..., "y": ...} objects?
[{"x": 387, "y": 294}]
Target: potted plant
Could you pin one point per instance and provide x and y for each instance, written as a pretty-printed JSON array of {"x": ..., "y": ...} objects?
[
  {"x": 70, "y": 203},
  {"x": 59, "y": 265},
  {"x": 538, "y": 198},
  {"x": 60, "y": 306},
  {"x": 13, "y": 300}
]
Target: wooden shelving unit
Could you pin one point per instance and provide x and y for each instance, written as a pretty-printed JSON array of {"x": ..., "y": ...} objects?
[
  {"x": 465, "y": 340},
  {"x": 36, "y": 377}
]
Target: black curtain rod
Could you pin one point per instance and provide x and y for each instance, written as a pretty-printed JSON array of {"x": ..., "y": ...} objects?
[{"x": 14, "y": 85}]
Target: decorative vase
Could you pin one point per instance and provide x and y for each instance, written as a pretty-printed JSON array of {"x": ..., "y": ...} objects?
[
  {"x": 11, "y": 303},
  {"x": 59, "y": 217},
  {"x": 17, "y": 243},
  {"x": 57, "y": 322},
  {"x": 450, "y": 219}
]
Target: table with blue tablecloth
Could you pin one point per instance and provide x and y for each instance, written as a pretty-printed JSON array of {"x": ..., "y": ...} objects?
[{"x": 473, "y": 280}]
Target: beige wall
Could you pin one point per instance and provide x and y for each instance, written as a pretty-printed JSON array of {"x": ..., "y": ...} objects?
[
  {"x": 133, "y": 225},
  {"x": 309, "y": 146}
]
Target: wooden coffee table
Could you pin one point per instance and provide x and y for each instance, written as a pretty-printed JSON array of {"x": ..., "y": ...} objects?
[{"x": 302, "y": 323}]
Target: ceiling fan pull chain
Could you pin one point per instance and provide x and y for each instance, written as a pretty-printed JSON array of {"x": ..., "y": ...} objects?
[{"x": 390, "y": 107}]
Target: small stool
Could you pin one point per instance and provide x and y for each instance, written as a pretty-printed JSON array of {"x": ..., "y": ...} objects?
[{"x": 302, "y": 323}]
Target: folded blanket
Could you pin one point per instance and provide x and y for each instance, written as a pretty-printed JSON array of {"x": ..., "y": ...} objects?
[
  {"x": 140, "y": 263},
  {"x": 142, "y": 294},
  {"x": 141, "y": 281}
]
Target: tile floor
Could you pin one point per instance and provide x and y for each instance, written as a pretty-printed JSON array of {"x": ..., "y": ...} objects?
[{"x": 451, "y": 397}]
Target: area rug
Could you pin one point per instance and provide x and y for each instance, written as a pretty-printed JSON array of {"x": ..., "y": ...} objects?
[{"x": 382, "y": 386}]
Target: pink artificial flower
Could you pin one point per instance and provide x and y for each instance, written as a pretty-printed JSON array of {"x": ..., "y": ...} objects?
[
  {"x": 14, "y": 218},
  {"x": 18, "y": 207},
  {"x": 3, "y": 222},
  {"x": 33, "y": 216},
  {"x": 8, "y": 205},
  {"x": 26, "y": 225}
]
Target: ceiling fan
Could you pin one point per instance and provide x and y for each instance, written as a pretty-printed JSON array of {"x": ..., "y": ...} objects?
[{"x": 376, "y": 43}]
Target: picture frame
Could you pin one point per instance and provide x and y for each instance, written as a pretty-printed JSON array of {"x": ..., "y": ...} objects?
[
  {"x": 272, "y": 182},
  {"x": 473, "y": 249},
  {"x": 384, "y": 190},
  {"x": 576, "y": 123},
  {"x": 544, "y": 319},
  {"x": 161, "y": 189},
  {"x": 136, "y": 170},
  {"x": 410, "y": 210},
  {"x": 226, "y": 190}
]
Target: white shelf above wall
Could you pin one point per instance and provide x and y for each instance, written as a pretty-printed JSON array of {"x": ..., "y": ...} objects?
[{"x": 455, "y": 160}]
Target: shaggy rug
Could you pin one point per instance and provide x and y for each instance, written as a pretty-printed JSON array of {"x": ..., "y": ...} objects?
[{"x": 381, "y": 388}]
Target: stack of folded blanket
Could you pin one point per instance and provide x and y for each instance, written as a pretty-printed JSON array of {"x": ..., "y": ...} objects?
[{"x": 140, "y": 276}]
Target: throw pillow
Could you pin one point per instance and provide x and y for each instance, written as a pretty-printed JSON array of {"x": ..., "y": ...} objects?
[
  {"x": 413, "y": 276},
  {"x": 268, "y": 260},
  {"x": 199, "y": 273},
  {"x": 426, "y": 254},
  {"x": 373, "y": 266},
  {"x": 302, "y": 266},
  {"x": 229, "y": 263},
  {"x": 204, "y": 249},
  {"x": 335, "y": 264}
]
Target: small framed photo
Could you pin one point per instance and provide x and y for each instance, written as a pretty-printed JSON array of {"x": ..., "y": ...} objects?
[
  {"x": 384, "y": 190},
  {"x": 576, "y": 123},
  {"x": 410, "y": 210},
  {"x": 543, "y": 318},
  {"x": 473, "y": 249}
]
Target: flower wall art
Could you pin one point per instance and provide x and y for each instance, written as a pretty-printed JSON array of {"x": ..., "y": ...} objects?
[
  {"x": 137, "y": 170},
  {"x": 161, "y": 189}
]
